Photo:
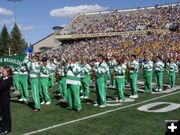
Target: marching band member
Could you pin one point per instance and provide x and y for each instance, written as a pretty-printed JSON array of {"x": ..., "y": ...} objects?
[
  {"x": 159, "y": 68},
  {"x": 120, "y": 70},
  {"x": 44, "y": 79},
  {"x": 23, "y": 82},
  {"x": 34, "y": 70},
  {"x": 61, "y": 71},
  {"x": 52, "y": 67},
  {"x": 147, "y": 74},
  {"x": 100, "y": 71},
  {"x": 133, "y": 75},
  {"x": 16, "y": 79},
  {"x": 73, "y": 83},
  {"x": 112, "y": 63},
  {"x": 85, "y": 78},
  {"x": 172, "y": 68}
]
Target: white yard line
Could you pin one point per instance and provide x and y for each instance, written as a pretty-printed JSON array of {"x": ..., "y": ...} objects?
[{"x": 98, "y": 114}]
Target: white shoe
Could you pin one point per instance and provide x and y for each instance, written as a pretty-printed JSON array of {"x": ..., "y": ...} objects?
[
  {"x": 117, "y": 100},
  {"x": 62, "y": 100},
  {"x": 81, "y": 96},
  {"x": 135, "y": 96},
  {"x": 24, "y": 99},
  {"x": 131, "y": 96},
  {"x": 121, "y": 100},
  {"x": 160, "y": 90},
  {"x": 48, "y": 103},
  {"x": 42, "y": 103},
  {"x": 156, "y": 89},
  {"x": 21, "y": 99},
  {"x": 96, "y": 104},
  {"x": 86, "y": 97},
  {"x": 102, "y": 106}
]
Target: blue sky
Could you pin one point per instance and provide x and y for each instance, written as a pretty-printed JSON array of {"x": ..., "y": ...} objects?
[{"x": 36, "y": 18}]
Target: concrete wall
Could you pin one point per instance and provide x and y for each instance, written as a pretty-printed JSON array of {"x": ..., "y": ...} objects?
[{"x": 48, "y": 41}]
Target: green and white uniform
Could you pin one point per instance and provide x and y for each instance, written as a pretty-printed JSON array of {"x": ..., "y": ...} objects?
[
  {"x": 44, "y": 86},
  {"x": 86, "y": 79},
  {"x": 73, "y": 83},
  {"x": 16, "y": 78},
  {"x": 120, "y": 80},
  {"x": 133, "y": 74},
  {"x": 52, "y": 68},
  {"x": 101, "y": 70},
  {"x": 23, "y": 82},
  {"x": 147, "y": 74},
  {"x": 172, "y": 68},
  {"x": 34, "y": 70},
  {"x": 159, "y": 68},
  {"x": 111, "y": 65},
  {"x": 62, "y": 82}
]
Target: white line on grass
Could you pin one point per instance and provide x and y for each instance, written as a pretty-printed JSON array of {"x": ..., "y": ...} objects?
[{"x": 98, "y": 114}]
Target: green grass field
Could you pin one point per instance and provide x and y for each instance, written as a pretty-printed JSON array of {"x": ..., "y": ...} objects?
[{"x": 125, "y": 121}]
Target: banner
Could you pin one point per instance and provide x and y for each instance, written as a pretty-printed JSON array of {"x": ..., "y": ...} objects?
[{"x": 14, "y": 61}]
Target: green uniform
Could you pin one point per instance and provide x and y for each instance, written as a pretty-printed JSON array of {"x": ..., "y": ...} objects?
[
  {"x": 16, "y": 78},
  {"x": 23, "y": 83},
  {"x": 111, "y": 65},
  {"x": 159, "y": 68},
  {"x": 52, "y": 68},
  {"x": 86, "y": 80},
  {"x": 172, "y": 68},
  {"x": 73, "y": 82},
  {"x": 147, "y": 74},
  {"x": 133, "y": 74},
  {"x": 34, "y": 70},
  {"x": 62, "y": 82},
  {"x": 101, "y": 70},
  {"x": 44, "y": 86},
  {"x": 120, "y": 80}
]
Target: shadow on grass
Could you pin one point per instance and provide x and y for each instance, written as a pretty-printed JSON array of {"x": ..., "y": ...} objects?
[
  {"x": 63, "y": 104},
  {"x": 88, "y": 101},
  {"x": 29, "y": 104}
]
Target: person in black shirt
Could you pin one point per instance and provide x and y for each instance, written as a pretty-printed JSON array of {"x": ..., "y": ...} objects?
[{"x": 5, "y": 85}]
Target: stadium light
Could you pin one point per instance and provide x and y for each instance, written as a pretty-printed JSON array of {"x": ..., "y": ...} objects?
[
  {"x": 14, "y": 17},
  {"x": 15, "y": 8}
]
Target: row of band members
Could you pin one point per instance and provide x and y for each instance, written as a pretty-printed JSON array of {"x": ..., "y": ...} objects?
[{"x": 71, "y": 75}]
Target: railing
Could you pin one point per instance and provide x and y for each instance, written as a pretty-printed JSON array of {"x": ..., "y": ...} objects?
[{"x": 111, "y": 34}]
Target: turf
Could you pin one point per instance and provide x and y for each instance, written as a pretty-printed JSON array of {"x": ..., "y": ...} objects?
[{"x": 127, "y": 121}]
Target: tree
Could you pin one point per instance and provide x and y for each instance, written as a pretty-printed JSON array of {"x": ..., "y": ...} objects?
[
  {"x": 4, "y": 41},
  {"x": 17, "y": 42}
]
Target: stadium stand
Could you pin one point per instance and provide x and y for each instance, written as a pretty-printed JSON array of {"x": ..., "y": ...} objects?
[
  {"x": 123, "y": 32},
  {"x": 158, "y": 17}
]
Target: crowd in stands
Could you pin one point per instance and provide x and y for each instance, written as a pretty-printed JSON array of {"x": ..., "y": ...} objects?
[
  {"x": 165, "y": 44},
  {"x": 116, "y": 21}
]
